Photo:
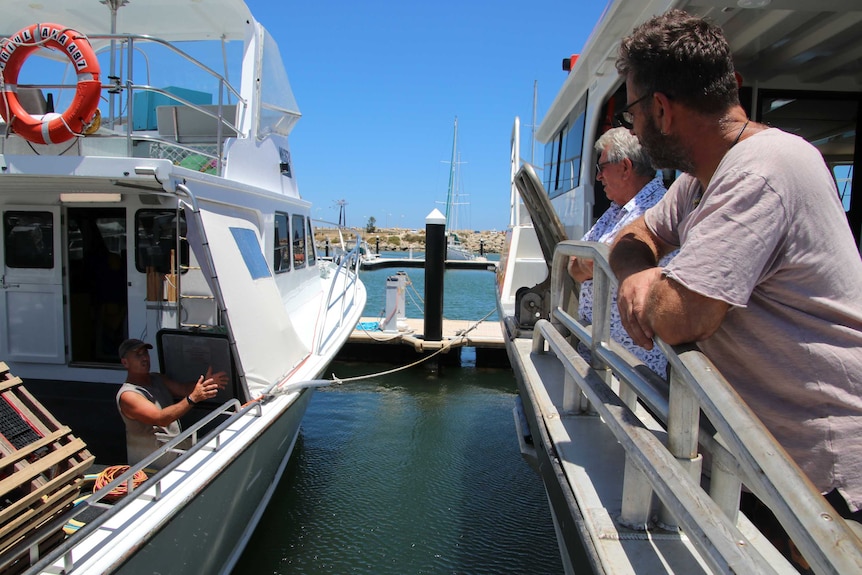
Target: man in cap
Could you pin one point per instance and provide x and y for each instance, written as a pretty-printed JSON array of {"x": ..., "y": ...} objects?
[{"x": 148, "y": 405}]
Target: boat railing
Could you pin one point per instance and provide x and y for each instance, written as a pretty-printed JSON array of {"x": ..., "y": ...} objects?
[
  {"x": 151, "y": 488},
  {"x": 337, "y": 302},
  {"x": 223, "y": 116},
  {"x": 616, "y": 386}
]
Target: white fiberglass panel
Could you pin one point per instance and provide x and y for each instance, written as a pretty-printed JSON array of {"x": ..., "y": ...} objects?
[{"x": 267, "y": 342}]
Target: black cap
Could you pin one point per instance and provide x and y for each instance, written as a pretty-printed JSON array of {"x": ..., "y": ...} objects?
[{"x": 132, "y": 345}]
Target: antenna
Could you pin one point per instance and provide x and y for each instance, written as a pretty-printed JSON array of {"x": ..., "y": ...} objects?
[{"x": 342, "y": 213}]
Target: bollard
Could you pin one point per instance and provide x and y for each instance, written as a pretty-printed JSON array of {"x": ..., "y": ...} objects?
[
  {"x": 394, "y": 303},
  {"x": 435, "y": 267}
]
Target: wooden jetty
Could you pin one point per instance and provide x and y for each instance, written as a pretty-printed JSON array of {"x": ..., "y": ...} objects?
[
  {"x": 371, "y": 344},
  {"x": 378, "y": 263}
]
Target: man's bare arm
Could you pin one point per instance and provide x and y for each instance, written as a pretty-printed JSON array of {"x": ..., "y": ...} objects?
[{"x": 651, "y": 304}]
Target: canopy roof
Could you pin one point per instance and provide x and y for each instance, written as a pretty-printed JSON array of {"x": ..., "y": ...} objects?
[{"x": 172, "y": 20}]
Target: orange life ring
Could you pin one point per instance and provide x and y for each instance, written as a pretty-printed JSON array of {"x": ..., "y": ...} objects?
[{"x": 50, "y": 128}]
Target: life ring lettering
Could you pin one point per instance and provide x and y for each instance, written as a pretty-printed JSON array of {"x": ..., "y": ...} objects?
[{"x": 51, "y": 128}]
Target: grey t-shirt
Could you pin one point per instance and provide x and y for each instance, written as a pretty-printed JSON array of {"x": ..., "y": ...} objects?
[
  {"x": 141, "y": 438},
  {"x": 770, "y": 238}
]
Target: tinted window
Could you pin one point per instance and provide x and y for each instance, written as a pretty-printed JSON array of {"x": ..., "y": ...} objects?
[
  {"x": 298, "y": 227},
  {"x": 312, "y": 251},
  {"x": 29, "y": 239},
  {"x": 281, "y": 243},
  {"x": 156, "y": 238}
]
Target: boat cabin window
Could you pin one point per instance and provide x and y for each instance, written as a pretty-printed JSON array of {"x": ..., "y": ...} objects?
[
  {"x": 298, "y": 227},
  {"x": 312, "y": 252},
  {"x": 843, "y": 174},
  {"x": 281, "y": 243},
  {"x": 156, "y": 240},
  {"x": 830, "y": 122},
  {"x": 563, "y": 154},
  {"x": 28, "y": 239}
]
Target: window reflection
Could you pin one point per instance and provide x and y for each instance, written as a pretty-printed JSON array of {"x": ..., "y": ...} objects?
[{"x": 29, "y": 239}]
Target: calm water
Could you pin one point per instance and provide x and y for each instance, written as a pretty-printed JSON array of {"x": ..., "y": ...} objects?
[{"x": 413, "y": 472}]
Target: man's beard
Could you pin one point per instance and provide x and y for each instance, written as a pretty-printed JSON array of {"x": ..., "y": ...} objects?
[{"x": 665, "y": 151}]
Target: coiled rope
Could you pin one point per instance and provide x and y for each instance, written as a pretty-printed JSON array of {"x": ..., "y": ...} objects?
[{"x": 111, "y": 473}]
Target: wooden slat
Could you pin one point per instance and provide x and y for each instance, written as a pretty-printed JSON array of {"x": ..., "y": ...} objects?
[
  {"x": 33, "y": 470},
  {"x": 24, "y": 452},
  {"x": 12, "y": 381},
  {"x": 34, "y": 419},
  {"x": 16, "y": 530},
  {"x": 41, "y": 412},
  {"x": 65, "y": 477}
]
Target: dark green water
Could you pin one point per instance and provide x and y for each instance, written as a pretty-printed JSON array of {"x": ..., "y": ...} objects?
[{"x": 410, "y": 473}]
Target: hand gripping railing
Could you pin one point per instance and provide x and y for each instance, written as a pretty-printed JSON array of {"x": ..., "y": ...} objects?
[{"x": 742, "y": 450}]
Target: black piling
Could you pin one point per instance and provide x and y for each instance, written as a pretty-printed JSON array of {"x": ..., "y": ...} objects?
[{"x": 435, "y": 267}]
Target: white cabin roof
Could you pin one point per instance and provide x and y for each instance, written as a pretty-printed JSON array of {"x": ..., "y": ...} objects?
[
  {"x": 171, "y": 20},
  {"x": 798, "y": 44}
]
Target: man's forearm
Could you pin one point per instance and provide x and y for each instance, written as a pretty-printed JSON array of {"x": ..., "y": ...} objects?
[{"x": 634, "y": 250}]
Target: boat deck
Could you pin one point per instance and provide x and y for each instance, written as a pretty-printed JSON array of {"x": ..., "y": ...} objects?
[{"x": 591, "y": 461}]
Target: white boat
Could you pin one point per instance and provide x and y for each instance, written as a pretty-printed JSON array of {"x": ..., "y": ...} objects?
[
  {"x": 617, "y": 448},
  {"x": 178, "y": 221},
  {"x": 455, "y": 250}
]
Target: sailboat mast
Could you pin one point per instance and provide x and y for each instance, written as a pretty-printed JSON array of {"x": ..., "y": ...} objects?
[{"x": 449, "y": 198}]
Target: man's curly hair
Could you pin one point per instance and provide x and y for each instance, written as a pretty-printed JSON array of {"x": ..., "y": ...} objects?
[{"x": 684, "y": 57}]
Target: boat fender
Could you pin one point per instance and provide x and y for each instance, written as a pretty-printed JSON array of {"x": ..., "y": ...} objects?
[{"x": 50, "y": 128}]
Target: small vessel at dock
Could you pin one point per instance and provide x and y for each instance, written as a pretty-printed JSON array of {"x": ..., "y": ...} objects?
[
  {"x": 638, "y": 481},
  {"x": 161, "y": 205}
]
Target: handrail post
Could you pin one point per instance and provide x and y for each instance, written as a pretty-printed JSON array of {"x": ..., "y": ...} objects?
[{"x": 683, "y": 424}]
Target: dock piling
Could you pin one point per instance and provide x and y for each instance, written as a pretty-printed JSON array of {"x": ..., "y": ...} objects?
[{"x": 435, "y": 267}]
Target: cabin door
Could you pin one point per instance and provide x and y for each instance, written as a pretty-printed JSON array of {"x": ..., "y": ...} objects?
[
  {"x": 98, "y": 288},
  {"x": 31, "y": 285}
]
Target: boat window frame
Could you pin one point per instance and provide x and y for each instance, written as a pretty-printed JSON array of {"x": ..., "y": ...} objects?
[
  {"x": 564, "y": 154},
  {"x": 854, "y": 213},
  {"x": 311, "y": 252},
  {"x": 43, "y": 256},
  {"x": 281, "y": 247},
  {"x": 298, "y": 240},
  {"x": 182, "y": 262}
]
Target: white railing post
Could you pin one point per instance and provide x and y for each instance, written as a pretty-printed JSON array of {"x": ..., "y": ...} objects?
[{"x": 683, "y": 424}]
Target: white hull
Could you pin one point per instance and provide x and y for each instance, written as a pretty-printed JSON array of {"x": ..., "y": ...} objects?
[{"x": 180, "y": 224}]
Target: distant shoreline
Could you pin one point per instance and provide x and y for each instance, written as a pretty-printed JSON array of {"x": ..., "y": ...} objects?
[{"x": 402, "y": 239}]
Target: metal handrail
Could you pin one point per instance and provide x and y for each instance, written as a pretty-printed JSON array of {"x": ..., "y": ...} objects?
[
  {"x": 225, "y": 88},
  {"x": 743, "y": 452},
  {"x": 349, "y": 266},
  {"x": 65, "y": 549}
]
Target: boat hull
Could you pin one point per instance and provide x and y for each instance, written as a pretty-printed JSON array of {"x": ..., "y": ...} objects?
[{"x": 220, "y": 519}]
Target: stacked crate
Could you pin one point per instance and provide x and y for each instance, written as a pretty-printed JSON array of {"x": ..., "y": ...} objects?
[{"x": 42, "y": 464}]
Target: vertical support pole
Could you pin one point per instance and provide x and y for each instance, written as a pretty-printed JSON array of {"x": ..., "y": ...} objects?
[
  {"x": 435, "y": 267},
  {"x": 683, "y": 422}
]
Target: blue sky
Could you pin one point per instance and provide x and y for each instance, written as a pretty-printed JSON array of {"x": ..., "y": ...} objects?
[{"x": 379, "y": 84}]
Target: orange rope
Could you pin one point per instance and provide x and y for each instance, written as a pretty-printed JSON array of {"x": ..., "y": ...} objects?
[{"x": 111, "y": 473}]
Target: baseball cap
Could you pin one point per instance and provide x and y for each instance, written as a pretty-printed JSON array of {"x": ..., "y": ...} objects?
[{"x": 131, "y": 345}]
